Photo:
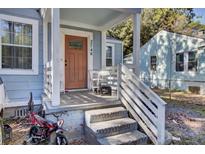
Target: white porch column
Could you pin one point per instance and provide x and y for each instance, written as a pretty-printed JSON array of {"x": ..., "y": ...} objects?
[
  {"x": 136, "y": 43},
  {"x": 103, "y": 49},
  {"x": 55, "y": 59}
]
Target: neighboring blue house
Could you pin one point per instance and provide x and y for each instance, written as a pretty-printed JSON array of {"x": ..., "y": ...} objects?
[{"x": 170, "y": 59}]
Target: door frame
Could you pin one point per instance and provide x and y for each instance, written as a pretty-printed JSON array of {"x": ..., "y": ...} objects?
[{"x": 89, "y": 36}]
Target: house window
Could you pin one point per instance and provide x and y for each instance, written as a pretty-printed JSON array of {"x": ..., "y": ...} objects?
[
  {"x": 18, "y": 45},
  {"x": 192, "y": 61},
  {"x": 153, "y": 63},
  {"x": 180, "y": 62},
  {"x": 109, "y": 56}
]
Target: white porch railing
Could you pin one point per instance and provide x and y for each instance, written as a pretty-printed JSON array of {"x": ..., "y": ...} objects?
[
  {"x": 48, "y": 80},
  {"x": 107, "y": 76},
  {"x": 147, "y": 108}
]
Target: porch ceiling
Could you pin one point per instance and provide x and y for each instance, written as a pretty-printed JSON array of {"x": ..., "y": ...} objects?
[{"x": 94, "y": 18}]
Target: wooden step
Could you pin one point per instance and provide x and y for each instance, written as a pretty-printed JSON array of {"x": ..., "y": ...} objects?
[
  {"x": 130, "y": 138},
  {"x": 99, "y": 115},
  {"x": 113, "y": 127}
]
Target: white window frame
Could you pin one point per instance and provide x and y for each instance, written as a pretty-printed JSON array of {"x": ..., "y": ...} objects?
[
  {"x": 113, "y": 54},
  {"x": 35, "y": 49},
  {"x": 186, "y": 60}
]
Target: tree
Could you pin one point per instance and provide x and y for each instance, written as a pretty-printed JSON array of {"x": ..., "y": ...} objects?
[{"x": 153, "y": 21}]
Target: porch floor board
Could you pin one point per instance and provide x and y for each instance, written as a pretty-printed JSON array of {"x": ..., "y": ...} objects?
[{"x": 78, "y": 100}]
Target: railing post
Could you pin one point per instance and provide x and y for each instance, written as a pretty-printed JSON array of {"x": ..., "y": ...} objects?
[
  {"x": 118, "y": 80},
  {"x": 161, "y": 124}
]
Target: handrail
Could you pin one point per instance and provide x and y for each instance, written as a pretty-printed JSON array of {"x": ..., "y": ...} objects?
[{"x": 144, "y": 105}]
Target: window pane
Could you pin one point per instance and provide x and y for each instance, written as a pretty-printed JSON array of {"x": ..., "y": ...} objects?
[
  {"x": 108, "y": 56},
  {"x": 6, "y": 37},
  {"x": 76, "y": 44},
  {"x": 18, "y": 39},
  {"x": 18, "y": 27},
  {"x": 23, "y": 57},
  {"x": 16, "y": 57},
  {"x": 153, "y": 61},
  {"x": 7, "y": 56},
  {"x": 108, "y": 62},
  {"x": 27, "y": 30},
  {"x": 7, "y": 26},
  {"x": 27, "y": 40},
  {"x": 109, "y": 52},
  {"x": 180, "y": 62},
  {"x": 192, "y": 66},
  {"x": 192, "y": 63}
]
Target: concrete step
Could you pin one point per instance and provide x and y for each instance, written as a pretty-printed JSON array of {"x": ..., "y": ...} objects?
[
  {"x": 99, "y": 115},
  {"x": 129, "y": 138},
  {"x": 113, "y": 127}
]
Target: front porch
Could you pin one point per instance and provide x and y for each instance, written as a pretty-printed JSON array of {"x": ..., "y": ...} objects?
[
  {"x": 82, "y": 100},
  {"x": 69, "y": 62}
]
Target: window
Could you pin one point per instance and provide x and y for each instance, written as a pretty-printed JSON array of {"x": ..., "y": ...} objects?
[
  {"x": 192, "y": 61},
  {"x": 153, "y": 63},
  {"x": 180, "y": 62},
  {"x": 19, "y": 45},
  {"x": 76, "y": 44},
  {"x": 16, "y": 41},
  {"x": 109, "y": 56}
]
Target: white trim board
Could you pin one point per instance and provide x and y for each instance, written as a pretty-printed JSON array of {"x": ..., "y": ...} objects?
[
  {"x": 35, "y": 49},
  {"x": 108, "y": 40},
  {"x": 89, "y": 35},
  {"x": 19, "y": 103}
]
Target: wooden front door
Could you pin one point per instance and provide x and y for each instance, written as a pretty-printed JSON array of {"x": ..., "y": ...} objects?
[{"x": 75, "y": 62}]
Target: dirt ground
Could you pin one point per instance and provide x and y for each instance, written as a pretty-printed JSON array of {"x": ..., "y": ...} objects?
[
  {"x": 20, "y": 128},
  {"x": 185, "y": 116}
]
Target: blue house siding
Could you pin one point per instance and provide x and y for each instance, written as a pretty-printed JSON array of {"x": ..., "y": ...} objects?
[
  {"x": 18, "y": 87},
  {"x": 165, "y": 45},
  {"x": 158, "y": 47}
]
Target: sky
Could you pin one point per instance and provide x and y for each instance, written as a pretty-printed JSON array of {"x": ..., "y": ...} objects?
[{"x": 200, "y": 12}]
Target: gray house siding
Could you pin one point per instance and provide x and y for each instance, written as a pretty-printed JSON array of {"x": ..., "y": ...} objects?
[
  {"x": 164, "y": 46},
  {"x": 18, "y": 87}
]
